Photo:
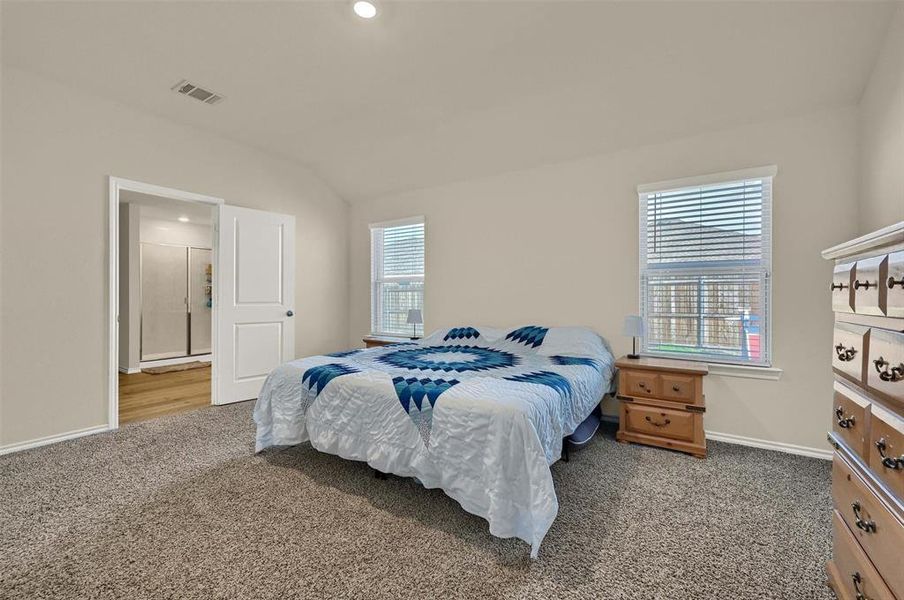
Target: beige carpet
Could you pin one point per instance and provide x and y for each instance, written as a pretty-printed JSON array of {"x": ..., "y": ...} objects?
[
  {"x": 176, "y": 368},
  {"x": 180, "y": 507}
]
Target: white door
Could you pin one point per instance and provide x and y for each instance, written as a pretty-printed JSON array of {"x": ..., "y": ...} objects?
[{"x": 256, "y": 293}]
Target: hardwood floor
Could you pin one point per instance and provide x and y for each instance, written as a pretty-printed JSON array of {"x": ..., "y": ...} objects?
[{"x": 144, "y": 396}]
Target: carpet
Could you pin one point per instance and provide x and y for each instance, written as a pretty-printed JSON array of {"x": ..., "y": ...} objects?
[
  {"x": 177, "y": 367},
  {"x": 181, "y": 507}
]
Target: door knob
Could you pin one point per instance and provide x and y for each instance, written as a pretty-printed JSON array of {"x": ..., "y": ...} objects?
[{"x": 289, "y": 313}]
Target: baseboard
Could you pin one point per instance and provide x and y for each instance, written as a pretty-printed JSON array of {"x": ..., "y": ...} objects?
[
  {"x": 129, "y": 371},
  {"x": 165, "y": 362},
  {"x": 825, "y": 454},
  {"x": 52, "y": 439}
]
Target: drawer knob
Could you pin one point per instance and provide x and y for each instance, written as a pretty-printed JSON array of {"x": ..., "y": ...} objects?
[
  {"x": 845, "y": 354},
  {"x": 861, "y": 523},
  {"x": 838, "y": 286},
  {"x": 675, "y": 388},
  {"x": 885, "y": 374},
  {"x": 658, "y": 423},
  {"x": 864, "y": 284},
  {"x": 844, "y": 422},
  {"x": 889, "y": 462},
  {"x": 892, "y": 282},
  {"x": 857, "y": 580}
]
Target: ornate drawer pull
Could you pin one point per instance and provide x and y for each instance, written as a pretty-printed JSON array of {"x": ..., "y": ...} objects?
[
  {"x": 841, "y": 286},
  {"x": 892, "y": 282},
  {"x": 844, "y": 422},
  {"x": 867, "y": 526},
  {"x": 886, "y": 374},
  {"x": 845, "y": 354},
  {"x": 864, "y": 284},
  {"x": 857, "y": 580},
  {"x": 675, "y": 388},
  {"x": 889, "y": 462},
  {"x": 655, "y": 424}
]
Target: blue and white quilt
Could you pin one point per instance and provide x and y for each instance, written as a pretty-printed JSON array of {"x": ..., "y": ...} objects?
[{"x": 476, "y": 411}]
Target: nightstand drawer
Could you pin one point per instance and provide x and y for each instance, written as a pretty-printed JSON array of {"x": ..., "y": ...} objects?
[
  {"x": 661, "y": 422},
  {"x": 681, "y": 388},
  {"x": 644, "y": 384}
]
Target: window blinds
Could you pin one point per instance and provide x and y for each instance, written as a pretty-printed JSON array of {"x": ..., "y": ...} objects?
[
  {"x": 397, "y": 274},
  {"x": 705, "y": 262}
]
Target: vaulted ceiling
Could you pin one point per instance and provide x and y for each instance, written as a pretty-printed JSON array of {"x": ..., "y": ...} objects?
[{"x": 433, "y": 92}]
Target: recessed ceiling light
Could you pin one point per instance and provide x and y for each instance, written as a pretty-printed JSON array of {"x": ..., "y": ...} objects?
[
  {"x": 365, "y": 9},
  {"x": 183, "y": 219}
]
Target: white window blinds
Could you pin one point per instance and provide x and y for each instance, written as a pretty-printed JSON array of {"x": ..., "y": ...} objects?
[
  {"x": 705, "y": 267},
  {"x": 397, "y": 275}
]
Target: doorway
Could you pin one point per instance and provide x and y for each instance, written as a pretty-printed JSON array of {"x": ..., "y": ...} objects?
[{"x": 163, "y": 309}]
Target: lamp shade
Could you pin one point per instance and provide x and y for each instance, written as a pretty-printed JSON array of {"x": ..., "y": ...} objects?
[
  {"x": 415, "y": 317},
  {"x": 633, "y": 326}
]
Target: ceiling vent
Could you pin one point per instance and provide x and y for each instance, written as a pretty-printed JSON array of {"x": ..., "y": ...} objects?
[{"x": 187, "y": 88}]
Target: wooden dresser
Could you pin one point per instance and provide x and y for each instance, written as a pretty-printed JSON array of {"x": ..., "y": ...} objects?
[
  {"x": 867, "y": 353},
  {"x": 662, "y": 403}
]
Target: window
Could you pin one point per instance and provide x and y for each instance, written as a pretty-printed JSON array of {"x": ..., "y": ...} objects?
[
  {"x": 705, "y": 267},
  {"x": 396, "y": 275}
]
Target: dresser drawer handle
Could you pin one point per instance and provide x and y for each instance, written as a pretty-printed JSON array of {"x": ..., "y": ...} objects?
[
  {"x": 892, "y": 282},
  {"x": 838, "y": 286},
  {"x": 864, "y": 284},
  {"x": 886, "y": 374},
  {"x": 675, "y": 388},
  {"x": 857, "y": 580},
  {"x": 845, "y": 354},
  {"x": 658, "y": 424},
  {"x": 867, "y": 526},
  {"x": 844, "y": 422},
  {"x": 889, "y": 462}
]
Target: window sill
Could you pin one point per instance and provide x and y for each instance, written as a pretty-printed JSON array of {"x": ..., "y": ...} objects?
[{"x": 743, "y": 371}]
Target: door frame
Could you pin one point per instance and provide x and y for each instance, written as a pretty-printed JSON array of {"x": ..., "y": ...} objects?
[{"x": 117, "y": 184}]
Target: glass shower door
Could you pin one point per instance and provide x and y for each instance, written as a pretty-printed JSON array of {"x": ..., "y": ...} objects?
[
  {"x": 200, "y": 273},
  {"x": 164, "y": 326}
]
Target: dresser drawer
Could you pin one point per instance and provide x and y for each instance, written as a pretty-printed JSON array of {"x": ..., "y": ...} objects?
[
  {"x": 895, "y": 284},
  {"x": 681, "y": 388},
  {"x": 850, "y": 350},
  {"x": 869, "y": 286},
  {"x": 643, "y": 384},
  {"x": 850, "y": 420},
  {"x": 856, "y": 575},
  {"x": 661, "y": 422},
  {"x": 879, "y": 533},
  {"x": 886, "y": 448},
  {"x": 885, "y": 371},
  {"x": 843, "y": 287}
]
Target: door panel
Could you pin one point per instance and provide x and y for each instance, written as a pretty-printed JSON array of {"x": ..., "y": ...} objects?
[
  {"x": 256, "y": 293},
  {"x": 164, "y": 332}
]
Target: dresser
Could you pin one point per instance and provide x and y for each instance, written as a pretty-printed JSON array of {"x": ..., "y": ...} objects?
[
  {"x": 661, "y": 403},
  {"x": 867, "y": 353}
]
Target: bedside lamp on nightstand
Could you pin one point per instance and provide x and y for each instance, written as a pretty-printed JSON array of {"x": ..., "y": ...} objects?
[
  {"x": 634, "y": 328},
  {"x": 414, "y": 319}
]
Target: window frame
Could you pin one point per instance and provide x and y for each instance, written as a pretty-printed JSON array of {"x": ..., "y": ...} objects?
[
  {"x": 764, "y": 267},
  {"x": 376, "y": 298}
]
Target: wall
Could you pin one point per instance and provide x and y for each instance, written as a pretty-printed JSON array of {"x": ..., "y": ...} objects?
[
  {"x": 129, "y": 286},
  {"x": 559, "y": 245},
  {"x": 58, "y": 148},
  {"x": 882, "y": 135},
  {"x": 158, "y": 231}
]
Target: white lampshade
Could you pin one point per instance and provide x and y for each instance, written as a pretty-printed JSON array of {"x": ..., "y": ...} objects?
[
  {"x": 415, "y": 317},
  {"x": 633, "y": 326}
]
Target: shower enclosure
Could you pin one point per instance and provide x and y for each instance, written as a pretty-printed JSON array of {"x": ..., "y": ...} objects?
[{"x": 176, "y": 298}]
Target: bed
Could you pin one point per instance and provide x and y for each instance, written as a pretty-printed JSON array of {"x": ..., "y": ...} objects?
[{"x": 479, "y": 412}]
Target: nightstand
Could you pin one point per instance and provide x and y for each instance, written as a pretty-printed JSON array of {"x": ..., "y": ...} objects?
[
  {"x": 662, "y": 403},
  {"x": 375, "y": 341}
]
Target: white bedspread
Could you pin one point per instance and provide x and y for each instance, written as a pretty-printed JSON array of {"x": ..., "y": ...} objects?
[{"x": 477, "y": 412}]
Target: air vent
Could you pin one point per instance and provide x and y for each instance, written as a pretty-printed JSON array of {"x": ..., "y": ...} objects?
[{"x": 187, "y": 88}]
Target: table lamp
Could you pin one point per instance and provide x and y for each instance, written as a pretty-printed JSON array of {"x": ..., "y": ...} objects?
[
  {"x": 634, "y": 328},
  {"x": 414, "y": 319}
]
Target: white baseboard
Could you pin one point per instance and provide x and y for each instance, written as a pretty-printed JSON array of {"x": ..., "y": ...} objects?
[
  {"x": 165, "y": 362},
  {"x": 129, "y": 371},
  {"x": 52, "y": 439},
  {"x": 740, "y": 440}
]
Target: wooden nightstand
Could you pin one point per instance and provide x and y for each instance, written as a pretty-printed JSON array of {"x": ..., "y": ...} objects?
[
  {"x": 662, "y": 403},
  {"x": 375, "y": 341}
]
